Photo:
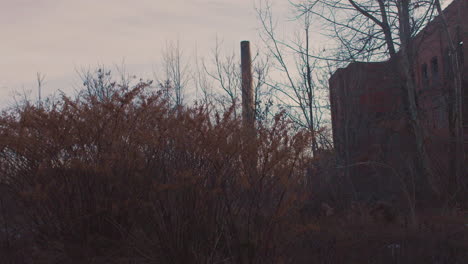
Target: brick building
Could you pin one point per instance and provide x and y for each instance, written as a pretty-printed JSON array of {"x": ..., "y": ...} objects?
[{"x": 366, "y": 100}]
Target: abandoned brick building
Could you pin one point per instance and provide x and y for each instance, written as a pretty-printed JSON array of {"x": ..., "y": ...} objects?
[{"x": 366, "y": 101}]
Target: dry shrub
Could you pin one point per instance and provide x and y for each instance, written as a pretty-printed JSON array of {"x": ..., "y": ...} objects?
[
  {"x": 123, "y": 177},
  {"x": 127, "y": 177}
]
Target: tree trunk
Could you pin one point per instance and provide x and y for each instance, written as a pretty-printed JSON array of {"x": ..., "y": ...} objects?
[
  {"x": 423, "y": 168},
  {"x": 310, "y": 94},
  {"x": 457, "y": 152},
  {"x": 386, "y": 29}
]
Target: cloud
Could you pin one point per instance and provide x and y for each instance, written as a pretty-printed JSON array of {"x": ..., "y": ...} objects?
[{"x": 56, "y": 36}]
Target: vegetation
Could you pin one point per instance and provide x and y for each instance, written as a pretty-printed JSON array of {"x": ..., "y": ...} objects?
[
  {"x": 128, "y": 178},
  {"x": 128, "y": 172}
]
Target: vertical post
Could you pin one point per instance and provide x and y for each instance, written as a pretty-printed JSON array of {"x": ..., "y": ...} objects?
[
  {"x": 40, "y": 80},
  {"x": 249, "y": 152},
  {"x": 248, "y": 109}
]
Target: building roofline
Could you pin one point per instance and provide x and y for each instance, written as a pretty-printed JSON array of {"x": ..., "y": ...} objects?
[{"x": 452, "y": 7}]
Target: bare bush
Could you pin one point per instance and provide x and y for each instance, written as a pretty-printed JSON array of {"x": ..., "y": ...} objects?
[{"x": 127, "y": 177}]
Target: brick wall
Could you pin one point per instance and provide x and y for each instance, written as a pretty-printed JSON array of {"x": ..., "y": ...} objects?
[{"x": 367, "y": 111}]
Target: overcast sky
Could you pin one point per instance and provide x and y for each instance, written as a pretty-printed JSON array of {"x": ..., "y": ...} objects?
[{"x": 57, "y": 37}]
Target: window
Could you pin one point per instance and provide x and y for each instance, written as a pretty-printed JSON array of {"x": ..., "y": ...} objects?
[{"x": 425, "y": 76}]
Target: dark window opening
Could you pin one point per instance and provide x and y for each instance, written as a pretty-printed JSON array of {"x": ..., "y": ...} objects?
[{"x": 425, "y": 75}]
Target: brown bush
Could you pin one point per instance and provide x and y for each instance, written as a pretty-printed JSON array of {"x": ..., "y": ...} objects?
[{"x": 128, "y": 177}]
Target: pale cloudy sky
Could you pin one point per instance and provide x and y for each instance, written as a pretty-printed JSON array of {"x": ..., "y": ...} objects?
[{"x": 57, "y": 37}]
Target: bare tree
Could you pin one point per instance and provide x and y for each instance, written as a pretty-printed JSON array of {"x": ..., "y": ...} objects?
[
  {"x": 98, "y": 84},
  {"x": 264, "y": 98},
  {"x": 406, "y": 66},
  {"x": 365, "y": 30},
  {"x": 369, "y": 30},
  {"x": 202, "y": 82},
  {"x": 176, "y": 72},
  {"x": 300, "y": 92},
  {"x": 102, "y": 84},
  {"x": 455, "y": 105},
  {"x": 226, "y": 74}
]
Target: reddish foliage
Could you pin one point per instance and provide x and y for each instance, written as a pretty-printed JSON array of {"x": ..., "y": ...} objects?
[
  {"x": 131, "y": 177},
  {"x": 127, "y": 178}
]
